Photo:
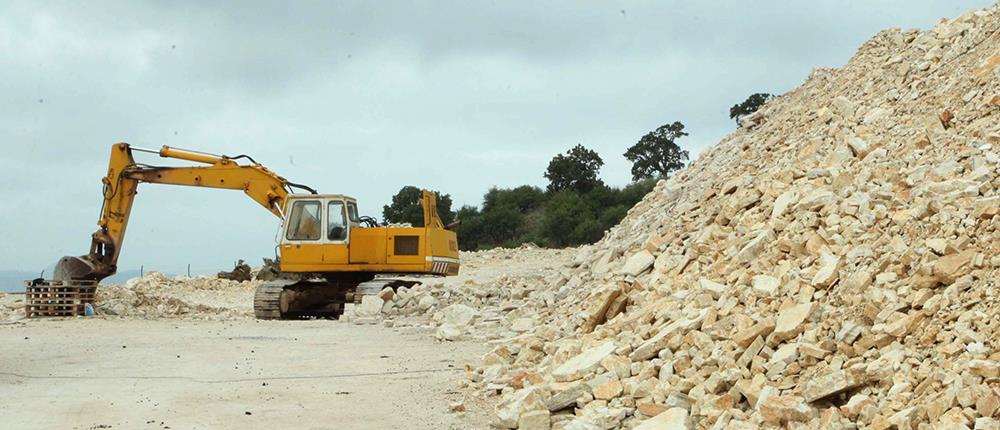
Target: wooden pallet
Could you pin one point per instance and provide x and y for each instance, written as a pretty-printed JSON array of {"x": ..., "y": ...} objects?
[{"x": 58, "y": 298}]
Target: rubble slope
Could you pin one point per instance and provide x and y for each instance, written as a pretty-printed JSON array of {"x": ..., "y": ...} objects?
[{"x": 833, "y": 264}]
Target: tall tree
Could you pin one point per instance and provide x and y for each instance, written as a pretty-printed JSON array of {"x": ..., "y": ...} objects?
[
  {"x": 657, "y": 153},
  {"x": 575, "y": 170},
  {"x": 405, "y": 207},
  {"x": 749, "y": 106}
]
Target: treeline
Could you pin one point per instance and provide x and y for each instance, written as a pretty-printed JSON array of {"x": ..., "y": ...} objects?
[
  {"x": 576, "y": 207},
  {"x": 510, "y": 217}
]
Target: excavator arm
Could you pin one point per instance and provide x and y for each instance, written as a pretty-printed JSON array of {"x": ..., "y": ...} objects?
[{"x": 120, "y": 186}]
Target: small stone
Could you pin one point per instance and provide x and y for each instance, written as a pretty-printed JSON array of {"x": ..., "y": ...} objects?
[
  {"x": 448, "y": 331},
  {"x": 608, "y": 390},
  {"x": 655, "y": 344},
  {"x": 856, "y": 404},
  {"x": 671, "y": 419},
  {"x": 459, "y": 315},
  {"x": 985, "y": 368},
  {"x": 370, "y": 306},
  {"x": 651, "y": 409},
  {"x": 638, "y": 263},
  {"x": 829, "y": 384},
  {"x": 986, "y": 423},
  {"x": 386, "y": 294},
  {"x": 987, "y": 405},
  {"x": 522, "y": 325},
  {"x": 782, "y": 203},
  {"x": 565, "y": 394},
  {"x": 949, "y": 268},
  {"x": 765, "y": 286},
  {"x": 848, "y": 333},
  {"x": 786, "y": 354},
  {"x": 938, "y": 245},
  {"x": 791, "y": 320},
  {"x": 534, "y": 420},
  {"x": 580, "y": 365},
  {"x": 678, "y": 400},
  {"x": 714, "y": 288},
  {"x": 621, "y": 366},
  {"x": 844, "y": 107},
  {"x": 751, "y": 389},
  {"x": 598, "y": 305},
  {"x": 426, "y": 303},
  {"x": 903, "y": 326},
  {"x": 814, "y": 351},
  {"x": 859, "y": 147},
  {"x": 784, "y": 409},
  {"x": 828, "y": 272},
  {"x": 457, "y": 407},
  {"x": 529, "y": 399},
  {"x": 817, "y": 200},
  {"x": 744, "y": 338},
  {"x": 905, "y": 419},
  {"x": 644, "y": 388}
]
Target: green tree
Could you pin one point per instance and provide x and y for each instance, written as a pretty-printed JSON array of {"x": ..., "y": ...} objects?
[
  {"x": 749, "y": 106},
  {"x": 471, "y": 232},
  {"x": 523, "y": 198},
  {"x": 512, "y": 216},
  {"x": 576, "y": 170},
  {"x": 657, "y": 154},
  {"x": 563, "y": 213},
  {"x": 405, "y": 207}
]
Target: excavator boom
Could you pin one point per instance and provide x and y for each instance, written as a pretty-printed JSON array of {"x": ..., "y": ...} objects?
[{"x": 121, "y": 183}]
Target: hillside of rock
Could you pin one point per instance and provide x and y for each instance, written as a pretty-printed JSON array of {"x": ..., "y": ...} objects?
[{"x": 833, "y": 264}]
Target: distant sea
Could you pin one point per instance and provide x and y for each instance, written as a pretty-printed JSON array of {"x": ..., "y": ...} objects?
[{"x": 13, "y": 280}]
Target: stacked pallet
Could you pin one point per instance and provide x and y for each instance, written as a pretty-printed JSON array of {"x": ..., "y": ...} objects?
[{"x": 58, "y": 298}]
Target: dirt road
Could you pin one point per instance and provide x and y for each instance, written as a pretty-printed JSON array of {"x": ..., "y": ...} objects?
[{"x": 183, "y": 374}]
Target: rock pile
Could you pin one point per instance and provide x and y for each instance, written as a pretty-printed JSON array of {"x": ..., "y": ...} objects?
[
  {"x": 156, "y": 295},
  {"x": 497, "y": 295},
  {"x": 834, "y": 264},
  {"x": 10, "y": 305}
]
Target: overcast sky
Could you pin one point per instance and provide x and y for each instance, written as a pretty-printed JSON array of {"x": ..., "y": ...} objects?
[{"x": 361, "y": 98}]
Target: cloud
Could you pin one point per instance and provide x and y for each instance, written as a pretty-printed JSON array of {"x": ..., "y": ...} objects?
[{"x": 361, "y": 98}]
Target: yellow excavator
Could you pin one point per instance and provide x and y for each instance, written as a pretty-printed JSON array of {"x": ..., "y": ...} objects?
[{"x": 332, "y": 254}]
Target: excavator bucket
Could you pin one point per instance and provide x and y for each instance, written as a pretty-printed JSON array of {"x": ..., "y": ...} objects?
[{"x": 75, "y": 268}]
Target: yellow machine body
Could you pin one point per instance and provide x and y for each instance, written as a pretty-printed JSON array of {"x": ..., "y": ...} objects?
[{"x": 321, "y": 233}]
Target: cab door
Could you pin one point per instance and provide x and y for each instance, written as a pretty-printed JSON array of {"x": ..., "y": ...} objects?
[
  {"x": 301, "y": 243},
  {"x": 338, "y": 233}
]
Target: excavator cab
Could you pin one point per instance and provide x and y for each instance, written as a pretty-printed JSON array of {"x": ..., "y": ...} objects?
[
  {"x": 323, "y": 233},
  {"x": 317, "y": 232}
]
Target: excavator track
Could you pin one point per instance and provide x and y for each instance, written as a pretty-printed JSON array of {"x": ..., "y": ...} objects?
[
  {"x": 283, "y": 299},
  {"x": 267, "y": 301}
]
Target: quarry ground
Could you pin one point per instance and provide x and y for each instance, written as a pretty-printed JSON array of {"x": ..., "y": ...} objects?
[{"x": 189, "y": 374}]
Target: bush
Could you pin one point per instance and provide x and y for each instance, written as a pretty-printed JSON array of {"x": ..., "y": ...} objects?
[{"x": 511, "y": 217}]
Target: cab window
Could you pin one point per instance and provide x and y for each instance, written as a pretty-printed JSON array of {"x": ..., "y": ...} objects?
[
  {"x": 304, "y": 222},
  {"x": 352, "y": 212},
  {"x": 337, "y": 227}
]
